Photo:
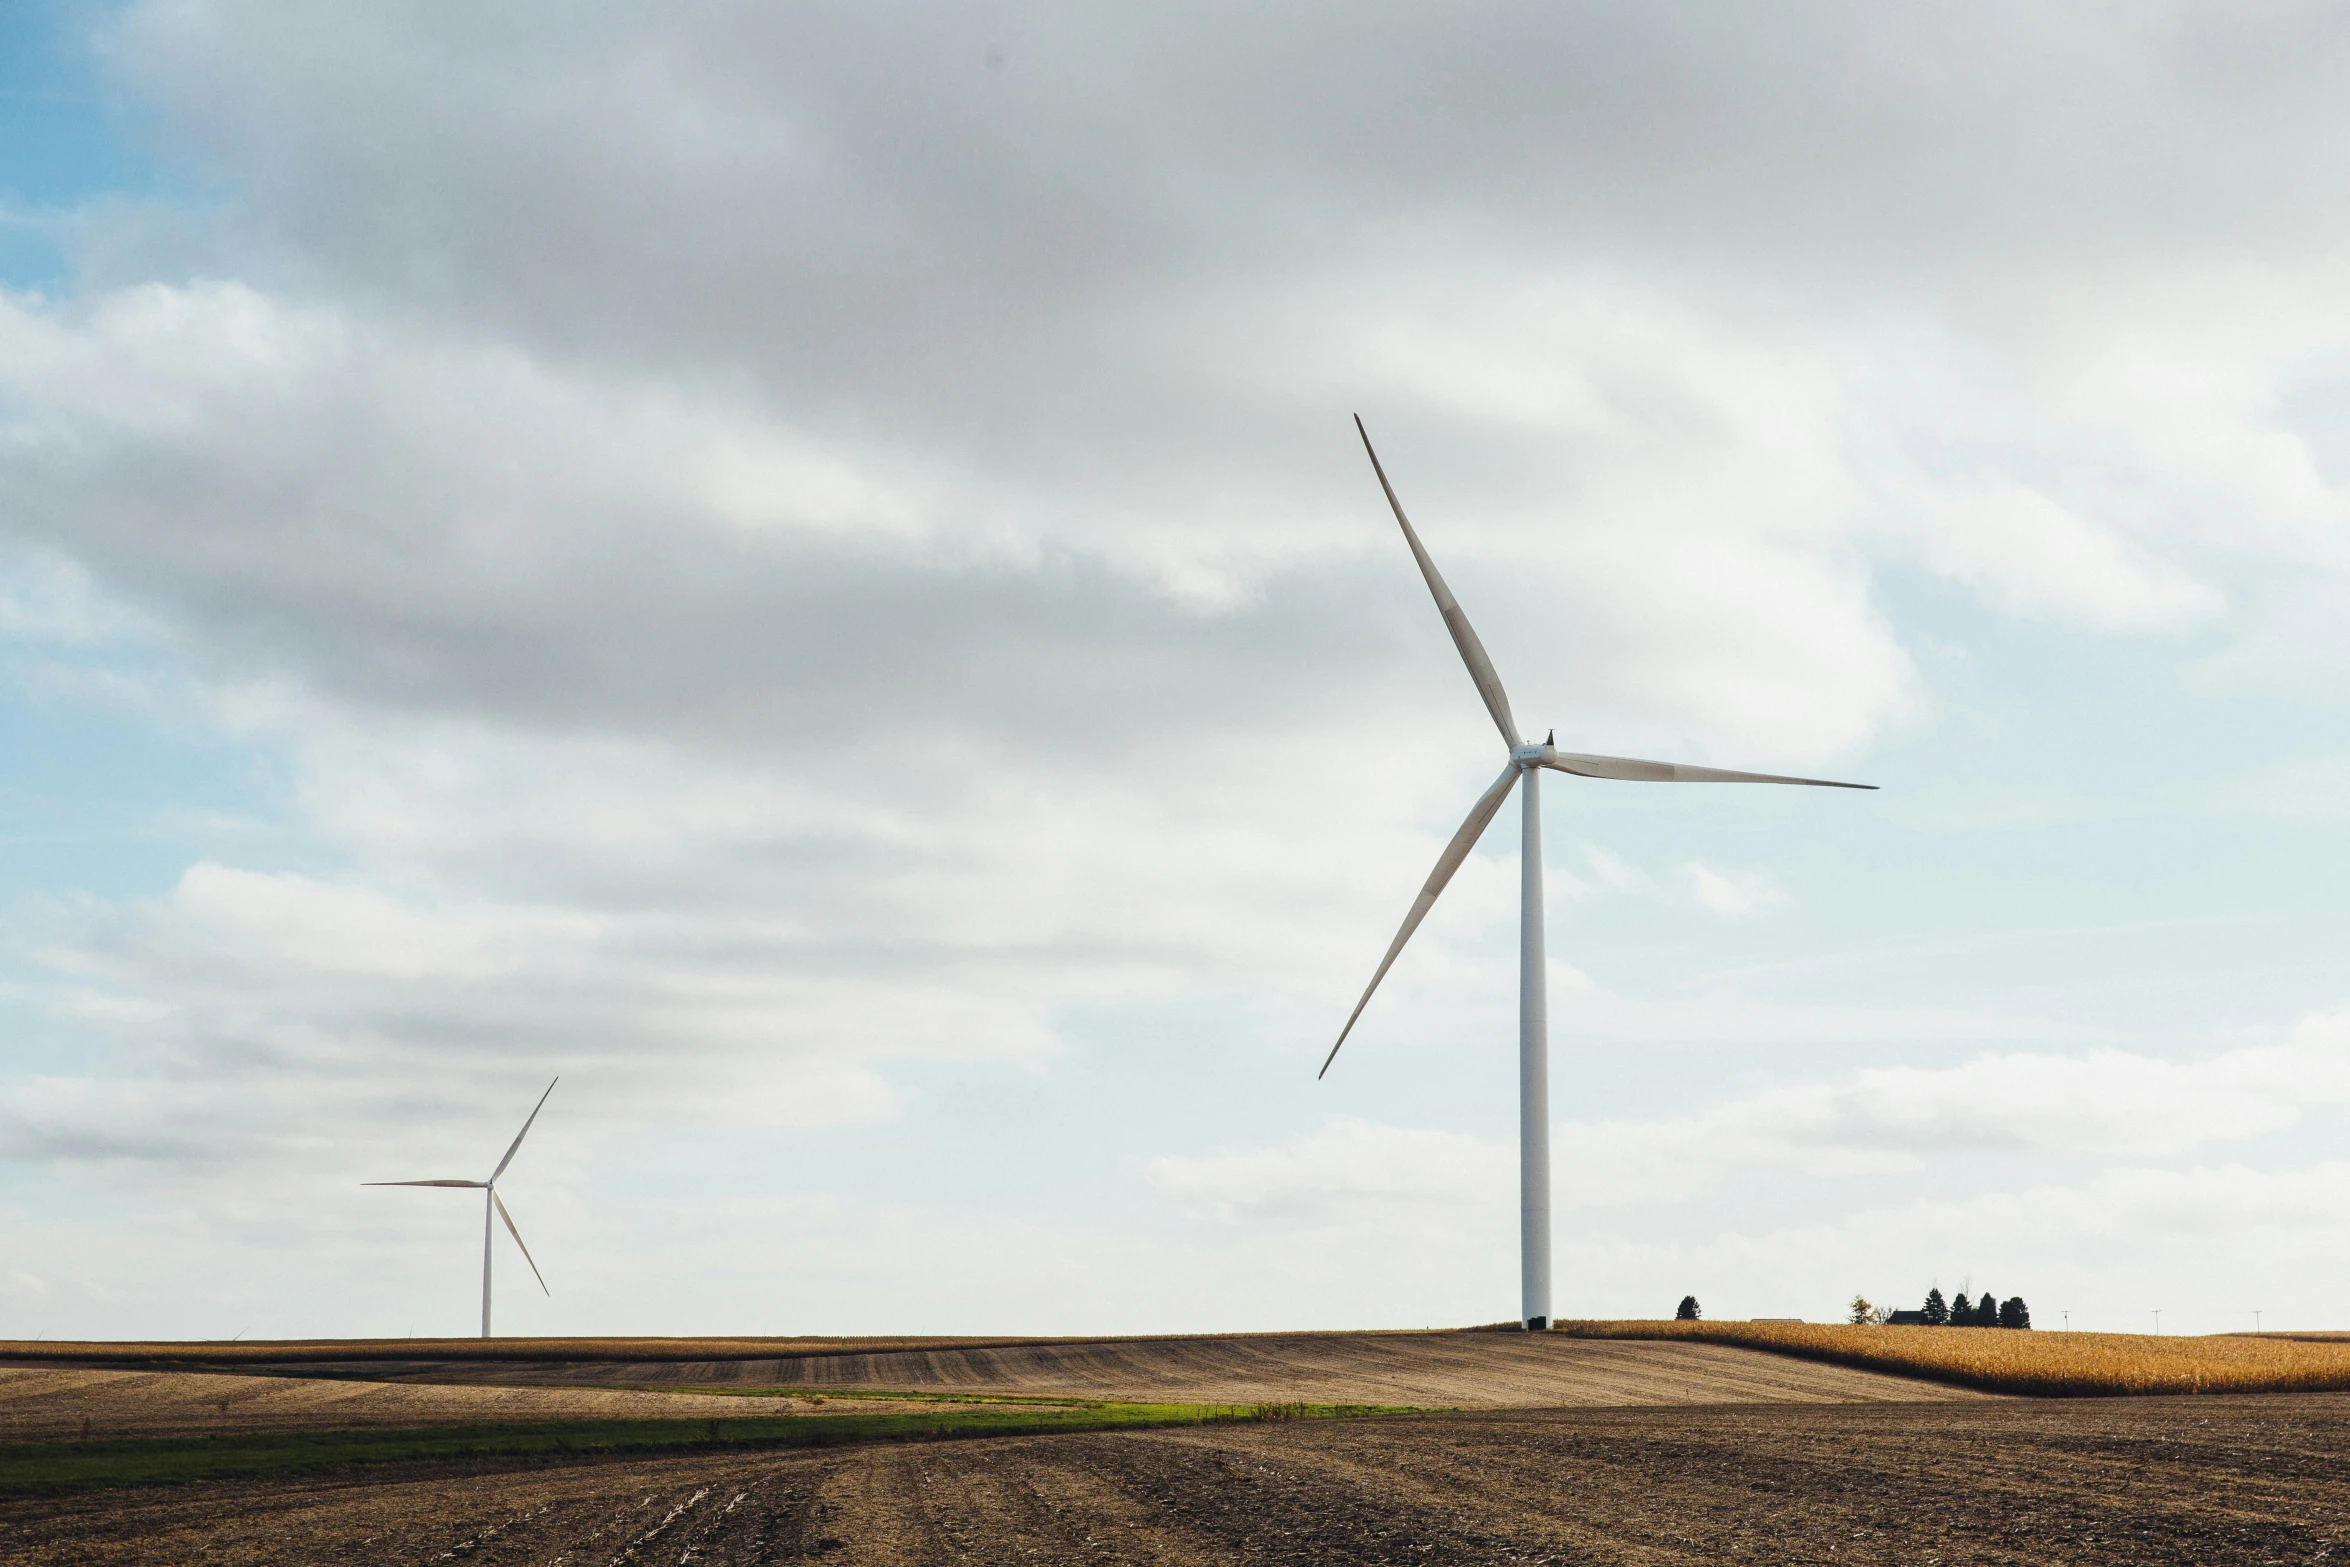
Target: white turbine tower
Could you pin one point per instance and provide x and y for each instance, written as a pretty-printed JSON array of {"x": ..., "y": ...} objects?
[
  {"x": 492, "y": 1204},
  {"x": 1526, "y": 762}
]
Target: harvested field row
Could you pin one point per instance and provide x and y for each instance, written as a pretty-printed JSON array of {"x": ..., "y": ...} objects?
[
  {"x": 56, "y": 1403},
  {"x": 50, "y": 1467},
  {"x": 212, "y": 1353},
  {"x": 2033, "y": 1364},
  {"x": 1420, "y": 1370},
  {"x": 276, "y": 1352},
  {"x": 2206, "y": 1481}
]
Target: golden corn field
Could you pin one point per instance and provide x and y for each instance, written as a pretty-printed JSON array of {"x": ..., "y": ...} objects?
[{"x": 2037, "y": 1363}]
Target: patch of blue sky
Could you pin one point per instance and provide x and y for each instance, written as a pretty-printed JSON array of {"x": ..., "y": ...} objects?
[
  {"x": 114, "y": 802},
  {"x": 67, "y": 142},
  {"x": 107, "y": 799}
]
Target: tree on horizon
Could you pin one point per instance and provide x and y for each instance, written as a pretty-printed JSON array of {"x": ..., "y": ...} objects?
[
  {"x": 1985, "y": 1310},
  {"x": 1688, "y": 1310}
]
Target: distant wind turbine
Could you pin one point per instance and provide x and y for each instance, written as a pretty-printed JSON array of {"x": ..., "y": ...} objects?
[
  {"x": 1526, "y": 762},
  {"x": 492, "y": 1203}
]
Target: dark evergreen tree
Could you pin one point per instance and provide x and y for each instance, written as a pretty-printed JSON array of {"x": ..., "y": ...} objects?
[
  {"x": 1962, "y": 1311},
  {"x": 2013, "y": 1313},
  {"x": 1986, "y": 1310},
  {"x": 1688, "y": 1310},
  {"x": 1937, "y": 1310}
]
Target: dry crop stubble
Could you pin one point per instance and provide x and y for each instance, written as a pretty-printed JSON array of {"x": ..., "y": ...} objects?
[
  {"x": 295, "y": 1352},
  {"x": 2032, "y": 1363},
  {"x": 1428, "y": 1369},
  {"x": 1423, "y": 1369},
  {"x": 294, "y": 1408},
  {"x": 50, "y": 1403}
]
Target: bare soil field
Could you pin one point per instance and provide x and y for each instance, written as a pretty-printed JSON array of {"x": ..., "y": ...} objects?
[
  {"x": 276, "y": 1352},
  {"x": 1435, "y": 1370},
  {"x": 2209, "y": 1480},
  {"x": 49, "y": 1403}
]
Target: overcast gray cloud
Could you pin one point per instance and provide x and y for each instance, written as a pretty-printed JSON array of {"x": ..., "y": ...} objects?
[{"x": 784, "y": 553}]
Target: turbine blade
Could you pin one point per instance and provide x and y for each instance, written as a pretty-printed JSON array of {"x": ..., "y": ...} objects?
[
  {"x": 475, "y": 1185},
  {"x": 1464, "y": 636},
  {"x": 499, "y": 1203},
  {"x": 1456, "y": 851},
  {"x": 1633, "y": 770},
  {"x": 519, "y": 1136}
]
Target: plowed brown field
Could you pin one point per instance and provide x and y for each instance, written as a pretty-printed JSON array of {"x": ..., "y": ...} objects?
[
  {"x": 1422, "y": 1370},
  {"x": 2212, "y": 1481},
  {"x": 49, "y": 1403},
  {"x": 1426, "y": 1371}
]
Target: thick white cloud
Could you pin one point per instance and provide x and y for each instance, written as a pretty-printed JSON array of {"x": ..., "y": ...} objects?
[
  {"x": 654, "y": 729},
  {"x": 2034, "y": 557},
  {"x": 1877, "y": 1120},
  {"x": 1732, "y": 894},
  {"x": 1349, "y": 1167},
  {"x": 2212, "y": 1243},
  {"x": 2107, "y": 1247}
]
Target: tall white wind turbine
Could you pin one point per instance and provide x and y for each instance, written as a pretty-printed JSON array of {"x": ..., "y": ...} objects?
[
  {"x": 1525, "y": 762},
  {"x": 491, "y": 1204}
]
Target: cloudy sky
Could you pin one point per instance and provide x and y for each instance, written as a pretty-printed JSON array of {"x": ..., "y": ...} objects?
[{"x": 806, "y": 568}]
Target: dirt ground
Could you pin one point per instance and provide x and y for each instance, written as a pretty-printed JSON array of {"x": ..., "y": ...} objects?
[
  {"x": 50, "y": 1403},
  {"x": 1431, "y": 1371},
  {"x": 1421, "y": 1370},
  {"x": 2215, "y": 1480}
]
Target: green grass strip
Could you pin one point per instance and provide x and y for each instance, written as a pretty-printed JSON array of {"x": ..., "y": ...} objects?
[
  {"x": 65, "y": 1466},
  {"x": 818, "y": 1395}
]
